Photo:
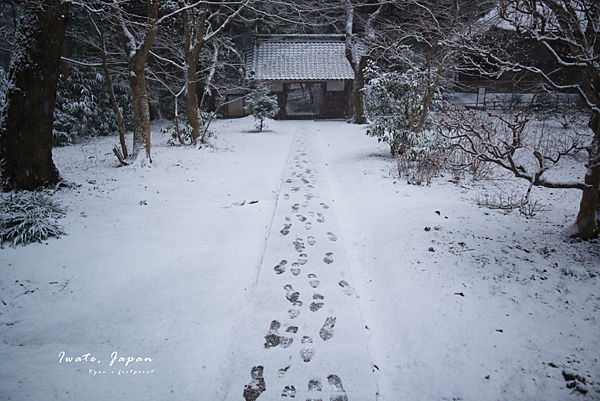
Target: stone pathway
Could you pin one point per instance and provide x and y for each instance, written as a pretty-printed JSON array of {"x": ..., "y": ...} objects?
[{"x": 303, "y": 337}]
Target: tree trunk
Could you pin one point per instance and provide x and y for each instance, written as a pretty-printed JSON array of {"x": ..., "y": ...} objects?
[
  {"x": 141, "y": 113},
  {"x": 113, "y": 101},
  {"x": 357, "y": 95},
  {"x": 26, "y": 131},
  {"x": 193, "y": 28},
  {"x": 587, "y": 216},
  {"x": 137, "y": 55},
  {"x": 191, "y": 99}
]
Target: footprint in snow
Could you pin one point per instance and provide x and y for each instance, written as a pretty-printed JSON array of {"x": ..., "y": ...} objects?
[
  {"x": 280, "y": 268},
  {"x": 273, "y": 338},
  {"x": 324, "y": 206},
  {"x": 313, "y": 282},
  {"x": 328, "y": 259},
  {"x": 293, "y": 313},
  {"x": 295, "y": 189},
  {"x": 301, "y": 218},
  {"x": 309, "y": 196},
  {"x": 307, "y": 353},
  {"x": 326, "y": 331},
  {"x": 295, "y": 270},
  {"x": 336, "y": 383},
  {"x": 257, "y": 386},
  {"x": 315, "y": 306},
  {"x": 315, "y": 385},
  {"x": 321, "y": 218},
  {"x": 286, "y": 229},
  {"x": 331, "y": 236},
  {"x": 346, "y": 287},
  {"x": 289, "y": 391},
  {"x": 295, "y": 207},
  {"x": 292, "y": 295},
  {"x": 303, "y": 259},
  {"x": 304, "y": 204},
  {"x": 286, "y": 196},
  {"x": 311, "y": 240},
  {"x": 308, "y": 225},
  {"x": 299, "y": 245},
  {"x": 289, "y": 180}
]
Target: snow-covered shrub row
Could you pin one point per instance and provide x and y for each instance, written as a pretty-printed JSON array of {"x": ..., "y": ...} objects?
[
  {"x": 83, "y": 106},
  {"x": 29, "y": 217}
]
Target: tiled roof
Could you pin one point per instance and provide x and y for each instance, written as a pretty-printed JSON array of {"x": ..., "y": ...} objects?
[{"x": 299, "y": 58}]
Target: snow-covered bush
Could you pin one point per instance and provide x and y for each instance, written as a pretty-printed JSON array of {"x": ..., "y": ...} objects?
[
  {"x": 180, "y": 131},
  {"x": 395, "y": 102},
  {"x": 29, "y": 217},
  {"x": 423, "y": 158},
  {"x": 262, "y": 106},
  {"x": 83, "y": 106}
]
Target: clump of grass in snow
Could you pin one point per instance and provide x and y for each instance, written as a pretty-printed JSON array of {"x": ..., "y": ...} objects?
[{"x": 29, "y": 217}]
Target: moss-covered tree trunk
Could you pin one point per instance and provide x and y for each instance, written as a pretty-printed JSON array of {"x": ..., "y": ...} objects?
[{"x": 27, "y": 118}]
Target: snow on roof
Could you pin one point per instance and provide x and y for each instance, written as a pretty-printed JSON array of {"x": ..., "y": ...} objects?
[
  {"x": 513, "y": 18},
  {"x": 299, "y": 58}
]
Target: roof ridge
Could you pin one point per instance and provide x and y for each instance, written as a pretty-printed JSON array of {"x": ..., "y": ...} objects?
[{"x": 299, "y": 37}]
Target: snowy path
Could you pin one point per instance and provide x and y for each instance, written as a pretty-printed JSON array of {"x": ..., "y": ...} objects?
[{"x": 303, "y": 335}]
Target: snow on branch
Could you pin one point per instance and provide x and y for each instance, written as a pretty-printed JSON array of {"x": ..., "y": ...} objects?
[{"x": 510, "y": 143}]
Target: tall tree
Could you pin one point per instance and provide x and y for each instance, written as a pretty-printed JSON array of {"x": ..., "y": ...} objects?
[
  {"x": 421, "y": 41},
  {"x": 358, "y": 52},
  {"x": 26, "y": 127},
  {"x": 109, "y": 86},
  {"x": 202, "y": 23},
  {"x": 137, "y": 44},
  {"x": 569, "y": 31}
]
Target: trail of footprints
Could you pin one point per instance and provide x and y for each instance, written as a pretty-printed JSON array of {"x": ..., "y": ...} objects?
[{"x": 284, "y": 336}]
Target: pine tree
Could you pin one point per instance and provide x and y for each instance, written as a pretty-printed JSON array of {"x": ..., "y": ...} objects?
[{"x": 262, "y": 106}]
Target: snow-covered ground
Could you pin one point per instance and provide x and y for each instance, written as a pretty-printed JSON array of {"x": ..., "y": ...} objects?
[{"x": 458, "y": 302}]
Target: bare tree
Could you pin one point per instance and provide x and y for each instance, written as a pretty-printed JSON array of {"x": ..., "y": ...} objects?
[
  {"x": 569, "y": 31},
  {"x": 358, "y": 52},
  {"x": 508, "y": 140},
  {"x": 420, "y": 40},
  {"x": 109, "y": 86},
  {"x": 202, "y": 23},
  {"x": 26, "y": 128},
  {"x": 137, "y": 44}
]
